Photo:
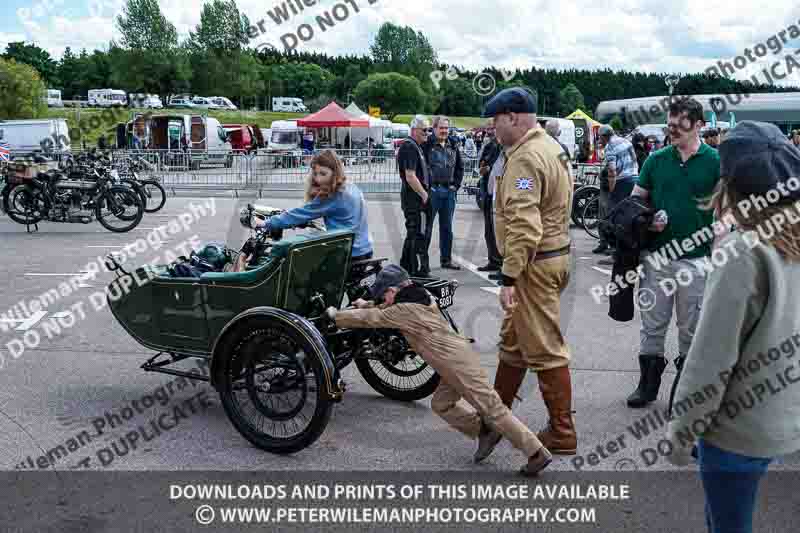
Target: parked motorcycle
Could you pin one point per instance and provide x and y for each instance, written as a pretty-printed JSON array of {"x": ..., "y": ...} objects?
[{"x": 30, "y": 197}]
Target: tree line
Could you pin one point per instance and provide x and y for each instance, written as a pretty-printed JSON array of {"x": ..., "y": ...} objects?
[{"x": 216, "y": 59}]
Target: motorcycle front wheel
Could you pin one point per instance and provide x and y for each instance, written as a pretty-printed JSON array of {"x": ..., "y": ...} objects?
[{"x": 119, "y": 203}]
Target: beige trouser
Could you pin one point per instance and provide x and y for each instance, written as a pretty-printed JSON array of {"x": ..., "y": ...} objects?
[
  {"x": 463, "y": 377},
  {"x": 530, "y": 336}
]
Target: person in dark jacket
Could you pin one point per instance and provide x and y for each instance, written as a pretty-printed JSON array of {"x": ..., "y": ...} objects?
[
  {"x": 489, "y": 155},
  {"x": 641, "y": 149},
  {"x": 446, "y": 172}
]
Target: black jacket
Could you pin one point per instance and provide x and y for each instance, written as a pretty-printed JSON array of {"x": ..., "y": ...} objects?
[
  {"x": 457, "y": 172},
  {"x": 626, "y": 225}
]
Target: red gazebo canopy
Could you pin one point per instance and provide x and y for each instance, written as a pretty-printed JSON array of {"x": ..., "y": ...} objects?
[{"x": 332, "y": 116}]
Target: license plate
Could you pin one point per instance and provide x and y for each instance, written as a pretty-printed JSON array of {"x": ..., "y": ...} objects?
[{"x": 445, "y": 298}]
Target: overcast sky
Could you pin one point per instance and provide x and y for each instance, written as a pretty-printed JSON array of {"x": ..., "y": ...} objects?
[{"x": 636, "y": 35}]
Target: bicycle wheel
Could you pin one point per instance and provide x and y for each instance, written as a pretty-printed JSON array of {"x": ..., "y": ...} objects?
[
  {"x": 590, "y": 218},
  {"x": 155, "y": 194},
  {"x": 582, "y": 197}
]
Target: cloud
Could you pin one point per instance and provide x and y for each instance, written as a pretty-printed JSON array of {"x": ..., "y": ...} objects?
[{"x": 635, "y": 35}]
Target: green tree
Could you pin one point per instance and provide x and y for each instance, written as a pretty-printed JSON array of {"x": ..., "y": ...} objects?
[
  {"x": 616, "y": 123},
  {"x": 37, "y": 57},
  {"x": 144, "y": 27},
  {"x": 22, "y": 91},
  {"x": 302, "y": 80},
  {"x": 571, "y": 99},
  {"x": 458, "y": 98},
  {"x": 394, "y": 93},
  {"x": 401, "y": 49},
  {"x": 222, "y": 28}
]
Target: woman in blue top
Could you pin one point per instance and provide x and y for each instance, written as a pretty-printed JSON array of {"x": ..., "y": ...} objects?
[{"x": 329, "y": 197}]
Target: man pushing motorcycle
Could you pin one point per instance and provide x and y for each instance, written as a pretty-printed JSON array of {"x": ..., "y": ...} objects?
[{"x": 410, "y": 308}]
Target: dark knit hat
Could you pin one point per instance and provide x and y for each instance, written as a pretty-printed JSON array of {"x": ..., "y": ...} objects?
[
  {"x": 513, "y": 100},
  {"x": 756, "y": 156}
]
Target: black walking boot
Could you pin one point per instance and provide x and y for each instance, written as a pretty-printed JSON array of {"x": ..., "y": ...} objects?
[{"x": 651, "y": 367}]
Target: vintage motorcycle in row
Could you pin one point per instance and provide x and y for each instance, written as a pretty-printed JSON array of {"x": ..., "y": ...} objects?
[
  {"x": 275, "y": 360},
  {"x": 57, "y": 195}
]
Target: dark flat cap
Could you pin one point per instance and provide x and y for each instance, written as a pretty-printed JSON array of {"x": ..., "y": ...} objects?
[
  {"x": 512, "y": 100},
  {"x": 390, "y": 276},
  {"x": 756, "y": 156}
]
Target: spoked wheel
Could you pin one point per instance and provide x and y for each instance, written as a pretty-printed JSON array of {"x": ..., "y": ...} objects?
[
  {"x": 406, "y": 377},
  {"x": 579, "y": 200},
  {"x": 155, "y": 196},
  {"x": 590, "y": 220},
  {"x": 24, "y": 204},
  {"x": 273, "y": 387},
  {"x": 120, "y": 209}
]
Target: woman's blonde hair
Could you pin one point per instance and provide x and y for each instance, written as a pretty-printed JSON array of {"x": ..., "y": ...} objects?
[
  {"x": 785, "y": 237},
  {"x": 327, "y": 159}
]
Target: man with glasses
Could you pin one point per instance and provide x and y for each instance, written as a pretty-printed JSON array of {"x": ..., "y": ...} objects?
[{"x": 675, "y": 180}]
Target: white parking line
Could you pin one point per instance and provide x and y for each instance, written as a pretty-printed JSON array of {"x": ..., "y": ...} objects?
[
  {"x": 25, "y": 323},
  {"x": 483, "y": 275},
  {"x": 81, "y": 285},
  {"x": 603, "y": 270}
]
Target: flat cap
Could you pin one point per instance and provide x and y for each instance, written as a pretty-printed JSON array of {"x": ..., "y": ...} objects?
[
  {"x": 756, "y": 156},
  {"x": 512, "y": 100},
  {"x": 390, "y": 276}
]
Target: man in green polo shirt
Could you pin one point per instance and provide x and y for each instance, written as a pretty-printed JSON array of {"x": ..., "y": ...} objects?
[{"x": 675, "y": 179}]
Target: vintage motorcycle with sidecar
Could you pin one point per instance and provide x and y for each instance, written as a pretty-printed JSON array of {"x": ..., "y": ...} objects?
[{"x": 275, "y": 360}]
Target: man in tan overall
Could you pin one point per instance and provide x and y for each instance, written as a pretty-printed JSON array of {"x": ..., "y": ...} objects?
[
  {"x": 532, "y": 211},
  {"x": 411, "y": 310}
]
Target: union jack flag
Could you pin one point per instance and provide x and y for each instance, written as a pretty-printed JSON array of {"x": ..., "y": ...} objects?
[{"x": 5, "y": 151}]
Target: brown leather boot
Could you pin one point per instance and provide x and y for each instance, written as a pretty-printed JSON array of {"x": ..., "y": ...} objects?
[
  {"x": 556, "y": 387},
  {"x": 507, "y": 382}
]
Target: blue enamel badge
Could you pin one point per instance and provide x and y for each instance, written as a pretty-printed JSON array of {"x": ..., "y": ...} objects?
[{"x": 524, "y": 184}]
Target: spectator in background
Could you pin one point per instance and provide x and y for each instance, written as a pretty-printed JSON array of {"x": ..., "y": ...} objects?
[
  {"x": 796, "y": 138},
  {"x": 479, "y": 141},
  {"x": 470, "y": 149},
  {"x": 414, "y": 199},
  {"x": 447, "y": 172},
  {"x": 490, "y": 165},
  {"x": 751, "y": 307},
  {"x": 621, "y": 168},
  {"x": 641, "y": 147},
  {"x": 553, "y": 128},
  {"x": 711, "y": 137}
]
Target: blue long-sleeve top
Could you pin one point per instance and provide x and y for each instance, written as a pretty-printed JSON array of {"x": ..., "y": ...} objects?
[{"x": 344, "y": 210}]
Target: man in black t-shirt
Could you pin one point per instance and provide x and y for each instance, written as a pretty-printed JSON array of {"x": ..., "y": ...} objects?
[{"x": 414, "y": 200}]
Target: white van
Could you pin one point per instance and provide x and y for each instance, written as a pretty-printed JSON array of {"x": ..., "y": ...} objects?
[
  {"x": 285, "y": 136},
  {"x": 222, "y": 103},
  {"x": 145, "y": 101},
  {"x": 201, "y": 102},
  {"x": 26, "y": 136},
  {"x": 291, "y": 105},
  {"x": 107, "y": 98},
  {"x": 567, "y": 136},
  {"x": 53, "y": 98}
]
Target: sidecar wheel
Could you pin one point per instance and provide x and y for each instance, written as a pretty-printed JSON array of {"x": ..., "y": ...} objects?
[
  {"x": 407, "y": 380},
  {"x": 273, "y": 386}
]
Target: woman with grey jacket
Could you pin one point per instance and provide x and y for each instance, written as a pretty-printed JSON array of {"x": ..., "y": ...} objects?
[{"x": 737, "y": 403}]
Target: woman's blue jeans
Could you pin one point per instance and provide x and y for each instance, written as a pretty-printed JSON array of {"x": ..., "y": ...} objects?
[{"x": 730, "y": 482}]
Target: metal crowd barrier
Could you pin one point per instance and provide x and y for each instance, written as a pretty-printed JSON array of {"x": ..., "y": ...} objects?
[{"x": 374, "y": 171}]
